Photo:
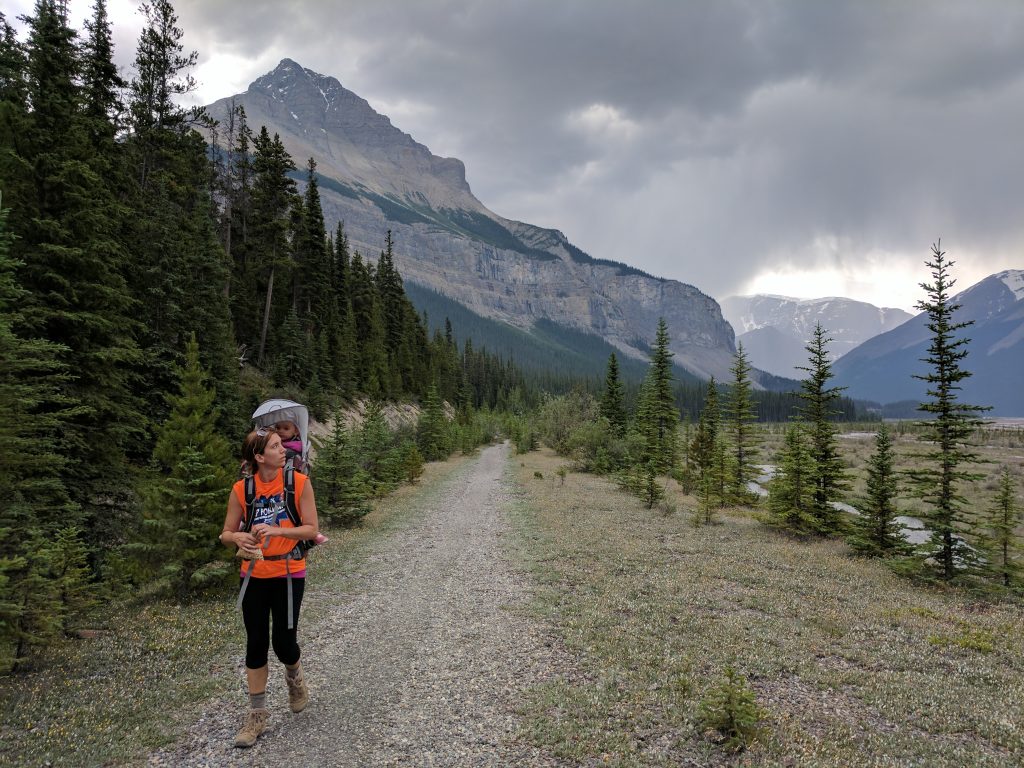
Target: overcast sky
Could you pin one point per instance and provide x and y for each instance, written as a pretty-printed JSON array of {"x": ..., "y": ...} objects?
[{"x": 805, "y": 148}]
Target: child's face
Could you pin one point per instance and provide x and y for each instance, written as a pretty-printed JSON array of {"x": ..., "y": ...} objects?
[{"x": 287, "y": 430}]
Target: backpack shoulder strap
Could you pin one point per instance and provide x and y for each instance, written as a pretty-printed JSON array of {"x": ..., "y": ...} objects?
[
  {"x": 250, "y": 497},
  {"x": 289, "y": 496}
]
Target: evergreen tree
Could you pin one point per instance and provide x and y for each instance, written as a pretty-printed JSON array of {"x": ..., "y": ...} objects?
[
  {"x": 342, "y": 485},
  {"x": 704, "y": 451},
  {"x": 163, "y": 73},
  {"x": 828, "y": 477},
  {"x": 741, "y": 413},
  {"x": 613, "y": 401},
  {"x": 101, "y": 82},
  {"x": 313, "y": 261},
  {"x": 375, "y": 444},
  {"x": 432, "y": 431},
  {"x": 953, "y": 422},
  {"x": 273, "y": 199},
  {"x": 372, "y": 369},
  {"x": 791, "y": 491},
  {"x": 412, "y": 461},
  {"x": 343, "y": 346},
  {"x": 657, "y": 415},
  {"x": 71, "y": 268},
  {"x": 876, "y": 533},
  {"x": 38, "y": 506},
  {"x": 185, "y": 507},
  {"x": 1002, "y": 542}
]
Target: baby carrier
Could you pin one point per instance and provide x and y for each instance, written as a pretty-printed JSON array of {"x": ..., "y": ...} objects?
[{"x": 270, "y": 412}]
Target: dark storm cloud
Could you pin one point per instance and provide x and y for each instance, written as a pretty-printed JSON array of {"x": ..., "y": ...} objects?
[{"x": 681, "y": 136}]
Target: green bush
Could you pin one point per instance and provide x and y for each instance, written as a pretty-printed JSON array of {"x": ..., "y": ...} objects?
[
  {"x": 559, "y": 417},
  {"x": 731, "y": 710},
  {"x": 594, "y": 447}
]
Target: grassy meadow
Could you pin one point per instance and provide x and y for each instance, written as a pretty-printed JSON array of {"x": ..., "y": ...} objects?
[{"x": 852, "y": 664}]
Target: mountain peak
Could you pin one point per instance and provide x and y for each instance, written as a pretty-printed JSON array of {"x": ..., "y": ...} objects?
[{"x": 1014, "y": 280}]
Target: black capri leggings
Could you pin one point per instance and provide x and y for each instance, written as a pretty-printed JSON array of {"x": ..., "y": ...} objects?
[{"x": 265, "y": 599}]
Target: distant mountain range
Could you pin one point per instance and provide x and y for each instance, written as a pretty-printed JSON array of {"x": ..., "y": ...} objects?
[
  {"x": 373, "y": 177},
  {"x": 774, "y": 330},
  {"x": 882, "y": 368}
]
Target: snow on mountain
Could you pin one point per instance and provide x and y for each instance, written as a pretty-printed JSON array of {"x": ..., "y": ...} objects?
[
  {"x": 848, "y": 322},
  {"x": 883, "y": 368}
]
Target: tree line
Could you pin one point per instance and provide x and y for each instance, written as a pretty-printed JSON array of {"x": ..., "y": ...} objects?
[{"x": 154, "y": 287}]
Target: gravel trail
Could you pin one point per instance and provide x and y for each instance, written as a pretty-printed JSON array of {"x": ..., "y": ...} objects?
[{"x": 420, "y": 663}]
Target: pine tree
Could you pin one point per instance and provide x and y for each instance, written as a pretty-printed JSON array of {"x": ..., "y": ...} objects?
[
  {"x": 273, "y": 200},
  {"x": 372, "y": 369},
  {"x": 432, "y": 430},
  {"x": 657, "y": 416},
  {"x": 72, "y": 270},
  {"x": 1002, "y": 542},
  {"x": 162, "y": 74},
  {"x": 412, "y": 461},
  {"x": 947, "y": 515},
  {"x": 38, "y": 505},
  {"x": 741, "y": 414},
  {"x": 613, "y": 401},
  {"x": 704, "y": 449},
  {"x": 375, "y": 445},
  {"x": 185, "y": 507},
  {"x": 342, "y": 485},
  {"x": 791, "y": 491},
  {"x": 101, "y": 82},
  {"x": 313, "y": 261},
  {"x": 876, "y": 533},
  {"x": 828, "y": 476}
]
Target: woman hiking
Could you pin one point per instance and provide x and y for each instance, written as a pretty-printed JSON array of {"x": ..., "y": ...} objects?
[{"x": 273, "y": 570}]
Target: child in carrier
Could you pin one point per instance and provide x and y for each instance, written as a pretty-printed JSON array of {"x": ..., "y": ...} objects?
[
  {"x": 292, "y": 442},
  {"x": 291, "y": 422}
]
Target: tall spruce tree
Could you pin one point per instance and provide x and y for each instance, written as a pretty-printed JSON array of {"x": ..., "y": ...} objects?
[
  {"x": 432, "y": 432},
  {"x": 657, "y": 419},
  {"x": 613, "y": 399},
  {"x": 741, "y": 415},
  {"x": 791, "y": 490},
  {"x": 372, "y": 369},
  {"x": 38, "y": 504},
  {"x": 876, "y": 533},
  {"x": 342, "y": 484},
  {"x": 185, "y": 507},
  {"x": 828, "y": 478},
  {"x": 947, "y": 513},
  {"x": 72, "y": 266},
  {"x": 273, "y": 200}
]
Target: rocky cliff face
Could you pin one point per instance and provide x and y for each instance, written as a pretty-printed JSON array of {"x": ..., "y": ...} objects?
[{"x": 374, "y": 177}]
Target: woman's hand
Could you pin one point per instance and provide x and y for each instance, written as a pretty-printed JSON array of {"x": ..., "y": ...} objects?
[
  {"x": 264, "y": 531},
  {"x": 247, "y": 542}
]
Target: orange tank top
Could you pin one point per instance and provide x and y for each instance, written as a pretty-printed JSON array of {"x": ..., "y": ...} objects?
[{"x": 269, "y": 507}]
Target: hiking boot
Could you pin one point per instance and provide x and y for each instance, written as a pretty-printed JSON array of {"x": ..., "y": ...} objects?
[
  {"x": 255, "y": 724},
  {"x": 298, "y": 693}
]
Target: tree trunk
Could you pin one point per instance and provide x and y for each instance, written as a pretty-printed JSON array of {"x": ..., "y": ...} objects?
[{"x": 266, "y": 316}]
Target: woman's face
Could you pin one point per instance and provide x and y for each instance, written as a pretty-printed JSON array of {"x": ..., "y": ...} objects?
[{"x": 273, "y": 456}]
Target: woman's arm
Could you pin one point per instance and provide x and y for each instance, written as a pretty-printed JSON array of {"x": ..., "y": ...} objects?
[{"x": 231, "y": 534}]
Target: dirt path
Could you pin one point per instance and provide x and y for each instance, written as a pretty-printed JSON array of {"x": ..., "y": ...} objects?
[{"x": 421, "y": 663}]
